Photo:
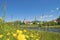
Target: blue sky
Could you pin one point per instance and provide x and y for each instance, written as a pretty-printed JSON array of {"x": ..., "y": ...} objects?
[{"x": 20, "y": 9}]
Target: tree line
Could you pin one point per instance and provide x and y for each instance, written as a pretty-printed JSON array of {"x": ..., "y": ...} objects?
[{"x": 49, "y": 23}]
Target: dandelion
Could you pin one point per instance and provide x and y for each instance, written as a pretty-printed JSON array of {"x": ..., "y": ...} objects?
[
  {"x": 18, "y": 31},
  {"x": 1, "y": 36},
  {"x": 21, "y": 37}
]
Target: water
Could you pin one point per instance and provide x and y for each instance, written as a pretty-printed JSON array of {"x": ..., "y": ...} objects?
[
  {"x": 54, "y": 30},
  {"x": 44, "y": 29}
]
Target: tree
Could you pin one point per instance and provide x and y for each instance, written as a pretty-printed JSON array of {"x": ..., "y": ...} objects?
[
  {"x": 51, "y": 23},
  {"x": 35, "y": 21},
  {"x": 58, "y": 20},
  {"x": 17, "y": 22}
]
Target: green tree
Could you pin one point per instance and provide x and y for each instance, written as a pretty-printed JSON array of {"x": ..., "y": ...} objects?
[
  {"x": 17, "y": 22},
  {"x": 52, "y": 23},
  {"x": 34, "y": 22},
  {"x": 58, "y": 20}
]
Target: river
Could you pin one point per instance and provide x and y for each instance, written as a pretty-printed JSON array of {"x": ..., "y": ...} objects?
[{"x": 44, "y": 29}]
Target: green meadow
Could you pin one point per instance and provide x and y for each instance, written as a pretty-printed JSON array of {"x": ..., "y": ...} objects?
[{"x": 15, "y": 33}]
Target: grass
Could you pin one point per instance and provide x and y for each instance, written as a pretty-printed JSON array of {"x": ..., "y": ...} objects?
[
  {"x": 32, "y": 25},
  {"x": 55, "y": 26},
  {"x": 28, "y": 25},
  {"x": 14, "y": 33}
]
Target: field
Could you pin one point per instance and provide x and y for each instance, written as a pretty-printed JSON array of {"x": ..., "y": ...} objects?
[{"x": 14, "y": 33}]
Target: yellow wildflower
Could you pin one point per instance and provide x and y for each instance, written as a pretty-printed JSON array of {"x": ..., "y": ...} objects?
[
  {"x": 37, "y": 39},
  {"x": 24, "y": 30},
  {"x": 21, "y": 37},
  {"x": 31, "y": 35},
  {"x": 8, "y": 39},
  {"x": 14, "y": 34},
  {"x": 1, "y": 36},
  {"x": 18, "y": 31},
  {"x": 27, "y": 36}
]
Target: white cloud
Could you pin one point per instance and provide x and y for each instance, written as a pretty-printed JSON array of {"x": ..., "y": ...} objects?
[
  {"x": 41, "y": 17},
  {"x": 57, "y": 8},
  {"x": 54, "y": 10},
  {"x": 46, "y": 16}
]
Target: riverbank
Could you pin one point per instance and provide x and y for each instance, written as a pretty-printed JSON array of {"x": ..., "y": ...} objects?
[
  {"x": 14, "y": 33},
  {"x": 55, "y": 26}
]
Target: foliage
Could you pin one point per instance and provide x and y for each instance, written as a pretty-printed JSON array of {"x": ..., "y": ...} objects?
[
  {"x": 51, "y": 23},
  {"x": 34, "y": 22},
  {"x": 13, "y": 33},
  {"x": 58, "y": 20},
  {"x": 17, "y": 22}
]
